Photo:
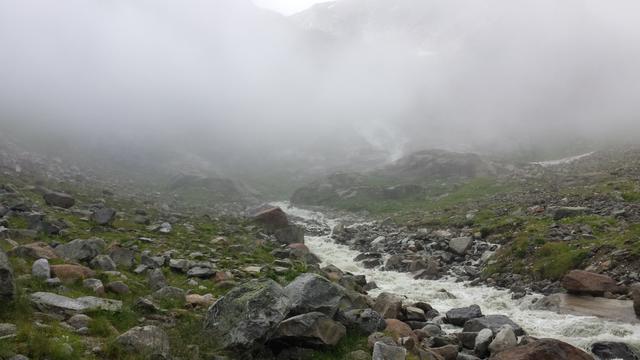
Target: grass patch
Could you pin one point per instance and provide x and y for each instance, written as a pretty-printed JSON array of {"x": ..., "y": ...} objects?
[{"x": 556, "y": 259}]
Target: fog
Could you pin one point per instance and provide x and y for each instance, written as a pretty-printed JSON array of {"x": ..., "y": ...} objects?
[{"x": 242, "y": 85}]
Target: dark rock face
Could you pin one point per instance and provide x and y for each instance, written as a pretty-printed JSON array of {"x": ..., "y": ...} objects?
[
  {"x": 581, "y": 282},
  {"x": 247, "y": 315},
  {"x": 290, "y": 234},
  {"x": 59, "y": 199},
  {"x": 7, "y": 284},
  {"x": 493, "y": 322},
  {"x": 607, "y": 350},
  {"x": 460, "y": 316},
  {"x": 635, "y": 295},
  {"x": 565, "y": 212},
  {"x": 309, "y": 330},
  {"x": 314, "y": 293},
  {"x": 104, "y": 216},
  {"x": 543, "y": 349}
]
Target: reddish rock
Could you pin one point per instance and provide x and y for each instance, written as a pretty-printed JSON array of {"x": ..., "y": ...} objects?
[
  {"x": 272, "y": 217},
  {"x": 398, "y": 330},
  {"x": 388, "y": 305},
  {"x": 581, "y": 282},
  {"x": 37, "y": 250},
  {"x": 298, "y": 250},
  {"x": 222, "y": 276},
  {"x": 543, "y": 349},
  {"x": 71, "y": 273}
]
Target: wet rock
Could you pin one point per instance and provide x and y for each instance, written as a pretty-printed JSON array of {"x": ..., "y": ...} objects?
[
  {"x": 41, "y": 269},
  {"x": 367, "y": 321},
  {"x": 504, "y": 339},
  {"x": 58, "y": 199},
  {"x": 388, "y": 305},
  {"x": 149, "y": 342},
  {"x": 543, "y": 349},
  {"x": 7, "y": 284},
  {"x": 103, "y": 262},
  {"x": 247, "y": 314},
  {"x": 80, "y": 249},
  {"x": 460, "y": 316},
  {"x": 483, "y": 339},
  {"x": 314, "y": 293},
  {"x": 71, "y": 273},
  {"x": 493, "y": 322},
  {"x": 291, "y": 234},
  {"x": 581, "y": 282},
  {"x": 461, "y": 245},
  {"x": 382, "y": 351},
  {"x": 103, "y": 216},
  {"x": 608, "y": 350},
  {"x": 313, "y": 329}
]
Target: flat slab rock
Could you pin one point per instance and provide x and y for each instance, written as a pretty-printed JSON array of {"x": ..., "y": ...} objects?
[
  {"x": 611, "y": 309},
  {"x": 58, "y": 303}
]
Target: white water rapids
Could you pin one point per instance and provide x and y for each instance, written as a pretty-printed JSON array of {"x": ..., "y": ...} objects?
[{"x": 581, "y": 331}]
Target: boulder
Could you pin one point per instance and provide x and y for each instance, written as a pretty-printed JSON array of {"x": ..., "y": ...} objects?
[
  {"x": 38, "y": 250},
  {"x": 117, "y": 287},
  {"x": 461, "y": 245},
  {"x": 582, "y": 282},
  {"x": 103, "y": 262},
  {"x": 170, "y": 293},
  {"x": 459, "y": 316},
  {"x": 608, "y": 350},
  {"x": 79, "y": 321},
  {"x": 314, "y": 293},
  {"x": 483, "y": 339},
  {"x": 7, "y": 282},
  {"x": 123, "y": 257},
  {"x": 313, "y": 329},
  {"x": 41, "y": 269},
  {"x": 505, "y": 339},
  {"x": 103, "y": 216},
  {"x": 493, "y": 322},
  {"x": 565, "y": 212},
  {"x": 388, "y": 305},
  {"x": 271, "y": 217},
  {"x": 367, "y": 321},
  {"x": 399, "y": 330},
  {"x": 156, "y": 279},
  {"x": 247, "y": 314},
  {"x": 382, "y": 351},
  {"x": 58, "y": 199},
  {"x": 149, "y": 342},
  {"x": 290, "y": 234},
  {"x": 543, "y": 349},
  {"x": 71, "y": 273},
  {"x": 7, "y": 330},
  {"x": 49, "y": 302},
  {"x": 81, "y": 249}
]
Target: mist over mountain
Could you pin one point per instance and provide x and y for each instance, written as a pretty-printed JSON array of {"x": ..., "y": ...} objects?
[{"x": 247, "y": 88}]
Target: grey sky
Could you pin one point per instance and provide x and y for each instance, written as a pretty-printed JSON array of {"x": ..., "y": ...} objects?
[{"x": 286, "y": 7}]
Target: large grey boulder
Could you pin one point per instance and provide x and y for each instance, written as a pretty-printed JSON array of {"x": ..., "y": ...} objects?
[
  {"x": 247, "y": 314},
  {"x": 493, "y": 322},
  {"x": 483, "y": 339},
  {"x": 58, "y": 199},
  {"x": 123, "y": 257},
  {"x": 81, "y": 249},
  {"x": 382, "y": 351},
  {"x": 505, "y": 339},
  {"x": 50, "y": 302},
  {"x": 7, "y": 284},
  {"x": 41, "y": 269},
  {"x": 314, "y": 329},
  {"x": 311, "y": 292},
  {"x": 461, "y": 245},
  {"x": 149, "y": 342},
  {"x": 103, "y": 262},
  {"x": 608, "y": 350},
  {"x": 459, "y": 316},
  {"x": 104, "y": 216},
  {"x": 156, "y": 279},
  {"x": 367, "y": 321}
]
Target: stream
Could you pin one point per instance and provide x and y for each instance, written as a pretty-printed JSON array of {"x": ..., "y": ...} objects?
[{"x": 581, "y": 331}]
